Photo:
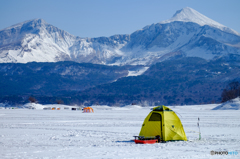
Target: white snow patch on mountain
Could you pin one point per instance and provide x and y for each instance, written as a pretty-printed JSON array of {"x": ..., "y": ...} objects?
[{"x": 137, "y": 72}]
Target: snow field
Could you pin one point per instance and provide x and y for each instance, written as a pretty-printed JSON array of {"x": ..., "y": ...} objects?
[{"x": 109, "y": 131}]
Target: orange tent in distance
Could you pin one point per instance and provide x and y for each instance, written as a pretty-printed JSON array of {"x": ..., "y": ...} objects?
[{"x": 88, "y": 110}]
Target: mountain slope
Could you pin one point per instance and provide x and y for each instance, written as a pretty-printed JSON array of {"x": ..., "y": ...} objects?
[
  {"x": 56, "y": 78},
  {"x": 187, "y": 33},
  {"x": 188, "y": 80}
]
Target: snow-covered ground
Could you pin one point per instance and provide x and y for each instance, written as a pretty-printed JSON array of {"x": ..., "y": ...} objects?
[{"x": 109, "y": 131}]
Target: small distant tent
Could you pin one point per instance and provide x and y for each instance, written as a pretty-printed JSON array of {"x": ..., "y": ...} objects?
[
  {"x": 88, "y": 110},
  {"x": 164, "y": 123}
]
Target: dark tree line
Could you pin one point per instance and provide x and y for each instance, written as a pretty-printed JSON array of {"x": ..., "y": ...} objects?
[
  {"x": 32, "y": 99},
  {"x": 231, "y": 91}
]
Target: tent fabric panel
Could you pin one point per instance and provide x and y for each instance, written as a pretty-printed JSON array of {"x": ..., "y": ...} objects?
[
  {"x": 173, "y": 127},
  {"x": 151, "y": 129}
]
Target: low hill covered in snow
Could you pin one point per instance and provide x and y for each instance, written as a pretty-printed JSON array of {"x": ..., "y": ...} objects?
[{"x": 233, "y": 104}]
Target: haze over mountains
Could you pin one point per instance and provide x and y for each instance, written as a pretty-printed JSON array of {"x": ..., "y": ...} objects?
[
  {"x": 188, "y": 59},
  {"x": 187, "y": 34}
]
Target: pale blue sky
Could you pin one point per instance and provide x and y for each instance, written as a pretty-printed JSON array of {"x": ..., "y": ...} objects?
[{"x": 94, "y": 18}]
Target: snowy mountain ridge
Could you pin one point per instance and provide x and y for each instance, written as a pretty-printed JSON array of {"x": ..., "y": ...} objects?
[{"x": 187, "y": 33}]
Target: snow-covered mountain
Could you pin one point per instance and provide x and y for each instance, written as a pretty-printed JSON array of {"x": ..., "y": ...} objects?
[
  {"x": 36, "y": 40},
  {"x": 187, "y": 33}
]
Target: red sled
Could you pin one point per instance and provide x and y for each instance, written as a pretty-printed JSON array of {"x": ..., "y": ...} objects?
[{"x": 146, "y": 141}]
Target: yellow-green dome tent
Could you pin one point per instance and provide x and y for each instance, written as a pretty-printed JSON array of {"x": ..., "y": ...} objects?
[{"x": 163, "y": 122}]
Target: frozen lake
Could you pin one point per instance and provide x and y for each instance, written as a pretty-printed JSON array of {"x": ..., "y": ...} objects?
[{"x": 108, "y": 133}]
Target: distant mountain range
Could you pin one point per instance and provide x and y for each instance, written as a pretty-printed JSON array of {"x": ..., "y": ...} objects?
[
  {"x": 188, "y": 59},
  {"x": 187, "y": 34}
]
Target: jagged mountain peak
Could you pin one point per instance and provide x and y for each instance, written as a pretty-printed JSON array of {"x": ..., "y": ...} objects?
[
  {"x": 34, "y": 26},
  {"x": 34, "y": 22}
]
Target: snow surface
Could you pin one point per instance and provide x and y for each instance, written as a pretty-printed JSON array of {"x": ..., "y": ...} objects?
[{"x": 109, "y": 131}]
